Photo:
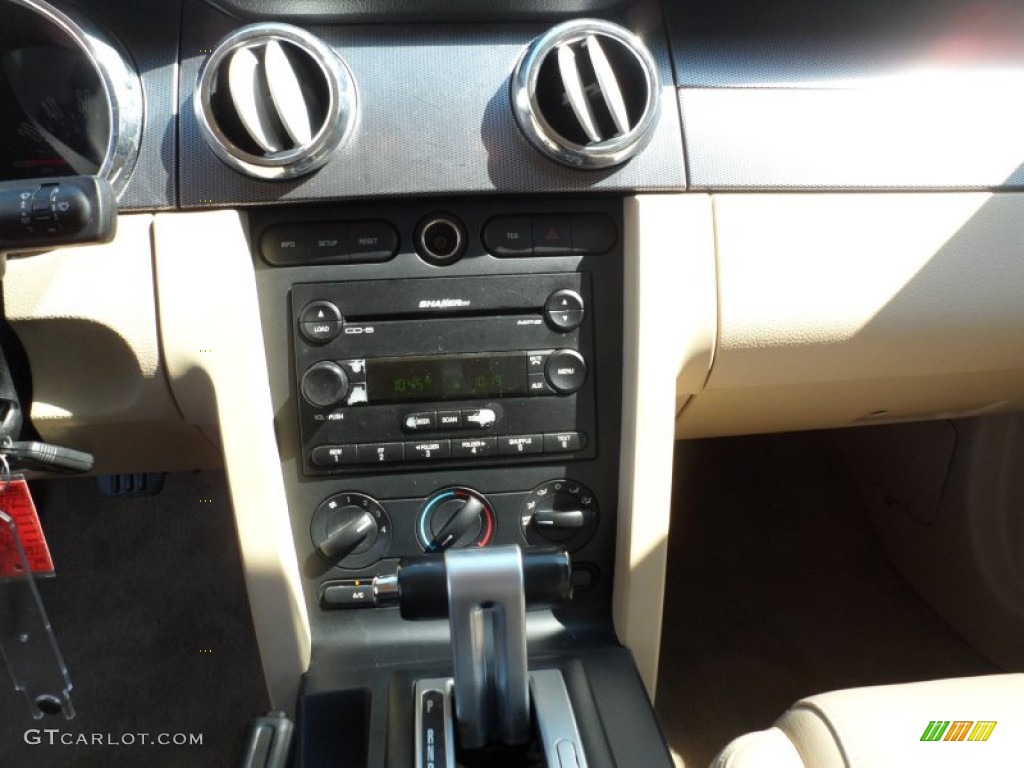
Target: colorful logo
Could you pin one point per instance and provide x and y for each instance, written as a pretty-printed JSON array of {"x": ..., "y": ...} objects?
[{"x": 958, "y": 730}]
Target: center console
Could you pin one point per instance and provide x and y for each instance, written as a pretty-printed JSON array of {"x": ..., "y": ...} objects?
[{"x": 446, "y": 377}]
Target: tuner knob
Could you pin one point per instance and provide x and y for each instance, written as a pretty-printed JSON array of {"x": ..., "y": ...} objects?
[
  {"x": 324, "y": 384},
  {"x": 455, "y": 518},
  {"x": 350, "y": 530}
]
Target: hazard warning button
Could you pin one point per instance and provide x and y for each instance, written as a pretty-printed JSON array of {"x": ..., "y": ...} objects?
[{"x": 552, "y": 235}]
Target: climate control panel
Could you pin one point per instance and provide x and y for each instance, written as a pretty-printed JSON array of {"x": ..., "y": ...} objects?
[{"x": 359, "y": 536}]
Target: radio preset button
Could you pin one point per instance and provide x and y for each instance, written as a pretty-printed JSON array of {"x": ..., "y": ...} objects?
[
  {"x": 474, "y": 447},
  {"x": 419, "y": 422},
  {"x": 381, "y": 453},
  {"x": 564, "y": 442},
  {"x": 449, "y": 419},
  {"x": 428, "y": 449},
  {"x": 479, "y": 418},
  {"x": 537, "y": 384},
  {"x": 320, "y": 322},
  {"x": 513, "y": 445},
  {"x": 566, "y": 371},
  {"x": 564, "y": 310},
  {"x": 333, "y": 455}
]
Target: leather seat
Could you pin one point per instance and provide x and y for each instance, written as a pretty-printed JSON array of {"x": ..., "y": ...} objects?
[{"x": 936, "y": 723}]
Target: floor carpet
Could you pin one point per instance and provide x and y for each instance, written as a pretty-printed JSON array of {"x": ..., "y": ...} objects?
[
  {"x": 151, "y": 613},
  {"x": 778, "y": 589}
]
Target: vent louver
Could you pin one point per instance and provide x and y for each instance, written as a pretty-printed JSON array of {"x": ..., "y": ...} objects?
[
  {"x": 275, "y": 102},
  {"x": 586, "y": 93}
]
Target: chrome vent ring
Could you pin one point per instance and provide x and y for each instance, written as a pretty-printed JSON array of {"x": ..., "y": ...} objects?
[
  {"x": 274, "y": 101},
  {"x": 586, "y": 93}
]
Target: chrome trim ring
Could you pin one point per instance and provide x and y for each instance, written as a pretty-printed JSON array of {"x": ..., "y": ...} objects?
[
  {"x": 599, "y": 152},
  {"x": 121, "y": 87},
  {"x": 299, "y": 160}
]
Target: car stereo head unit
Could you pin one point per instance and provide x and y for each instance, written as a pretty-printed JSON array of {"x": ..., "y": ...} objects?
[{"x": 453, "y": 370}]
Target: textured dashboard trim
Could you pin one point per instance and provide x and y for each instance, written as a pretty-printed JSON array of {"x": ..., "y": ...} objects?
[{"x": 435, "y": 119}]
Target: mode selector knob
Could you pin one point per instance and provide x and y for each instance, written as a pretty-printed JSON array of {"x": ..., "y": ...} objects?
[
  {"x": 324, "y": 384},
  {"x": 565, "y": 370},
  {"x": 560, "y": 512}
]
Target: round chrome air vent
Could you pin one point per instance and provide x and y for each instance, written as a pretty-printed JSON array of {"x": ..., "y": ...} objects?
[
  {"x": 275, "y": 102},
  {"x": 586, "y": 93}
]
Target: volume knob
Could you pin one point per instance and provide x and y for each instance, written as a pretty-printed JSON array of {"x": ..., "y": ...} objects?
[{"x": 324, "y": 384}]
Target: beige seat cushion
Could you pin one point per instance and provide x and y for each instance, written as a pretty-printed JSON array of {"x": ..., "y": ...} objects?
[{"x": 883, "y": 727}]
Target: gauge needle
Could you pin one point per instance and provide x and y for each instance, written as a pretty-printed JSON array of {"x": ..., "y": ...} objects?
[{"x": 80, "y": 164}]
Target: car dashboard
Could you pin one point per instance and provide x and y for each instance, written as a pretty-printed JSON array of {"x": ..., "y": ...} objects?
[{"x": 385, "y": 261}]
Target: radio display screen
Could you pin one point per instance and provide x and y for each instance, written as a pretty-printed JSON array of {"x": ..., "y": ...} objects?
[{"x": 450, "y": 377}]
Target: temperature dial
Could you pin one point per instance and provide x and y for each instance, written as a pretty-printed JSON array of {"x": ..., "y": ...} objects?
[
  {"x": 559, "y": 512},
  {"x": 455, "y": 517},
  {"x": 351, "y": 530}
]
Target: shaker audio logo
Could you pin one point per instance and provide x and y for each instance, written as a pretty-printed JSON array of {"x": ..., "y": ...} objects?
[
  {"x": 958, "y": 730},
  {"x": 444, "y": 303}
]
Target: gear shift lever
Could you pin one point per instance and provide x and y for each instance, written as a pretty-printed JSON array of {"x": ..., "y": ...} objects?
[
  {"x": 485, "y": 593},
  {"x": 487, "y": 610}
]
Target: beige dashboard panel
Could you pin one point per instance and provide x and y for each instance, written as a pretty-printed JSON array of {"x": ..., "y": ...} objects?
[
  {"x": 844, "y": 309},
  {"x": 213, "y": 345},
  {"x": 87, "y": 319},
  {"x": 669, "y": 333}
]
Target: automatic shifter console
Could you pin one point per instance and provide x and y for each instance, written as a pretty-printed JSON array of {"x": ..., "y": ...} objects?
[
  {"x": 487, "y": 614},
  {"x": 492, "y": 701}
]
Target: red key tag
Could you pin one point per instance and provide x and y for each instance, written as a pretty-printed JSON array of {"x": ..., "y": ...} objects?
[{"x": 16, "y": 501}]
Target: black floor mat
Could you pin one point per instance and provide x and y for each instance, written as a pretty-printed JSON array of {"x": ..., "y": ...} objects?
[
  {"x": 150, "y": 610},
  {"x": 778, "y": 589}
]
